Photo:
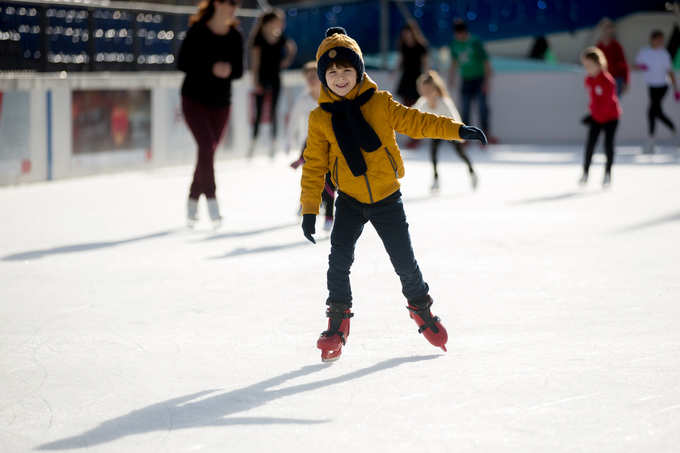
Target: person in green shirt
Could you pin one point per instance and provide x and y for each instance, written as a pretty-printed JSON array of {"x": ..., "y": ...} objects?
[{"x": 470, "y": 58}]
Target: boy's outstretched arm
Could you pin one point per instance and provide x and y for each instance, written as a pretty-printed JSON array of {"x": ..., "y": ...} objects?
[
  {"x": 417, "y": 124},
  {"x": 313, "y": 176}
]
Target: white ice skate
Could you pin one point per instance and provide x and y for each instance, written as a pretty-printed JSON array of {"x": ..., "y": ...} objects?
[
  {"x": 192, "y": 212},
  {"x": 214, "y": 212}
]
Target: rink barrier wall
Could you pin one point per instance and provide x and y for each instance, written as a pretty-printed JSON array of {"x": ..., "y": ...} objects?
[{"x": 526, "y": 108}]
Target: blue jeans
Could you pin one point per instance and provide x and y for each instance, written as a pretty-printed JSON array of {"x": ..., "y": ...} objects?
[
  {"x": 471, "y": 89},
  {"x": 389, "y": 220}
]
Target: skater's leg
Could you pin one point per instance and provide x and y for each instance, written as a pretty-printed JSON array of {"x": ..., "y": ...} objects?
[
  {"x": 660, "y": 113},
  {"x": 656, "y": 95},
  {"x": 198, "y": 119},
  {"x": 259, "y": 101},
  {"x": 389, "y": 220},
  {"x": 349, "y": 223},
  {"x": 483, "y": 109},
  {"x": 466, "y": 96},
  {"x": 218, "y": 123},
  {"x": 609, "y": 132},
  {"x": 434, "y": 149},
  {"x": 593, "y": 133},
  {"x": 275, "y": 92},
  {"x": 458, "y": 147}
]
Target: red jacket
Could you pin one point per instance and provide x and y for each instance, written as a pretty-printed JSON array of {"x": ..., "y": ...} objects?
[
  {"x": 604, "y": 104},
  {"x": 616, "y": 59}
]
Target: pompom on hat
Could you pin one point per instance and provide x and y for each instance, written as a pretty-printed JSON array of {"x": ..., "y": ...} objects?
[{"x": 338, "y": 46}]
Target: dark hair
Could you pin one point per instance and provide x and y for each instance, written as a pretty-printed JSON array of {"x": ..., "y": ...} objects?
[
  {"x": 340, "y": 63},
  {"x": 264, "y": 19},
  {"x": 206, "y": 9},
  {"x": 417, "y": 34},
  {"x": 459, "y": 26},
  {"x": 205, "y": 12},
  {"x": 656, "y": 34}
]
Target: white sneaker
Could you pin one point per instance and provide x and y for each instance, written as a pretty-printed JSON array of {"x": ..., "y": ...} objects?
[
  {"x": 435, "y": 185},
  {"x": 192, "y": 212}
]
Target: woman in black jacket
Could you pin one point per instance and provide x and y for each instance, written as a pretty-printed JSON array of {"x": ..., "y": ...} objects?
[{"x": 211, "y": 56}]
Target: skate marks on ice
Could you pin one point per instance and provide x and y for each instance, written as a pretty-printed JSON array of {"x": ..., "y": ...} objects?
[
  {"x": 662, "y": 220},
  {"x": 85, "y": 247},
  {"x": 238, "y": 234},
  {"x": 203, "y": 409},
  {"x": 555, "y": 197},
  {"x": 240, "y": 251}
]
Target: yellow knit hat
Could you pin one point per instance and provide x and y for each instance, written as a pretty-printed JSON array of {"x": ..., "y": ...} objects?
[{"x": 338, "y": 45}]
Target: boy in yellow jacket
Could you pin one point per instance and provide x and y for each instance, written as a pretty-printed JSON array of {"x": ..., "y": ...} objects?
[{"x": 351, "y": 134}]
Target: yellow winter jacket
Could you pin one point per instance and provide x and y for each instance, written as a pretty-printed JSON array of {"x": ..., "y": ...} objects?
[{"x": 385, "y": 165}]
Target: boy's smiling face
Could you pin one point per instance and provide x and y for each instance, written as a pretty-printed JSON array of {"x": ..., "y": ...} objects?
[{"x": 341, "y": 80}]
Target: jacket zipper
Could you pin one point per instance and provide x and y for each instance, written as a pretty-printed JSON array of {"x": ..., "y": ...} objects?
[
  {"x": 368, "y": 186},
  {"x": 335, "y": 173},
  {"x": 392, "y": 162}
]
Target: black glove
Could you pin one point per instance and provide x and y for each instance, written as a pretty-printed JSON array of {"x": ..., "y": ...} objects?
[
  {"x": 309, "y": 226},
  {"x": 588, "y": 119},
  {"x": 472, "y": 133}
]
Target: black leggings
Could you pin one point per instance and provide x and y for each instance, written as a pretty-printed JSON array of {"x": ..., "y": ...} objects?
[
  {"x": 273, "y": 87},
  {"x": 656, "y": 95},
  {"x": 457, "y": 146},
  {"x": 593, "y": 133}
]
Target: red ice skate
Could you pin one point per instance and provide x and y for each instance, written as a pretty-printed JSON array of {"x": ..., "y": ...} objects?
[
  {"x": 332, "y": 340},
  {"x": 430, "y": 326}
]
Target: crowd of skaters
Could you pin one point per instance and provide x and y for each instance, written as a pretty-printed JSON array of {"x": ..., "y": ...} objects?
[{"x": 213, "y": 55}]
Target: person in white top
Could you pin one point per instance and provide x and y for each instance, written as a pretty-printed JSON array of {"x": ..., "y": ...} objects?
[
  {"x": 296, "y": 134},
  {"x": 656, "y": 63},
  {"x": 434, "y": 98}
]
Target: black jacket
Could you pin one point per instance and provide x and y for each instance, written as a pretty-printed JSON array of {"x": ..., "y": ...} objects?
[{"x": 200, "y": 50}]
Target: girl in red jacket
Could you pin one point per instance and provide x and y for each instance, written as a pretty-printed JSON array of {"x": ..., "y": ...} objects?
[{"x": 604, "y": 110}]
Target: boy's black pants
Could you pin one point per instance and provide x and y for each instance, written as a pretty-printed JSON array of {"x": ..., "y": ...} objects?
[{"x": 389, "y": 220}]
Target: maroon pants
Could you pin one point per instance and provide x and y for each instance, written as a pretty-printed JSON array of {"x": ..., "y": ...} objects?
[{"x": 207, "y": 124}]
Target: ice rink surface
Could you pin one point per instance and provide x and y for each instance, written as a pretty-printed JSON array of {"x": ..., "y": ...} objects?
[{"x": 123, "y": 331}]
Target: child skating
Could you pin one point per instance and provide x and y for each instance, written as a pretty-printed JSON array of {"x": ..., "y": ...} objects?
[
  {"x": 351, "y": 134},
  {"x": 604, "y": 110},
  {"x": 656, "y": 63},
  {"x": 434, "y": 98},
  {"x": 296, "y": 134}
]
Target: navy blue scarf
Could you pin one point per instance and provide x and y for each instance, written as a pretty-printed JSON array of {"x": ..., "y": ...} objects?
[{"x": 352, "y": 131}]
